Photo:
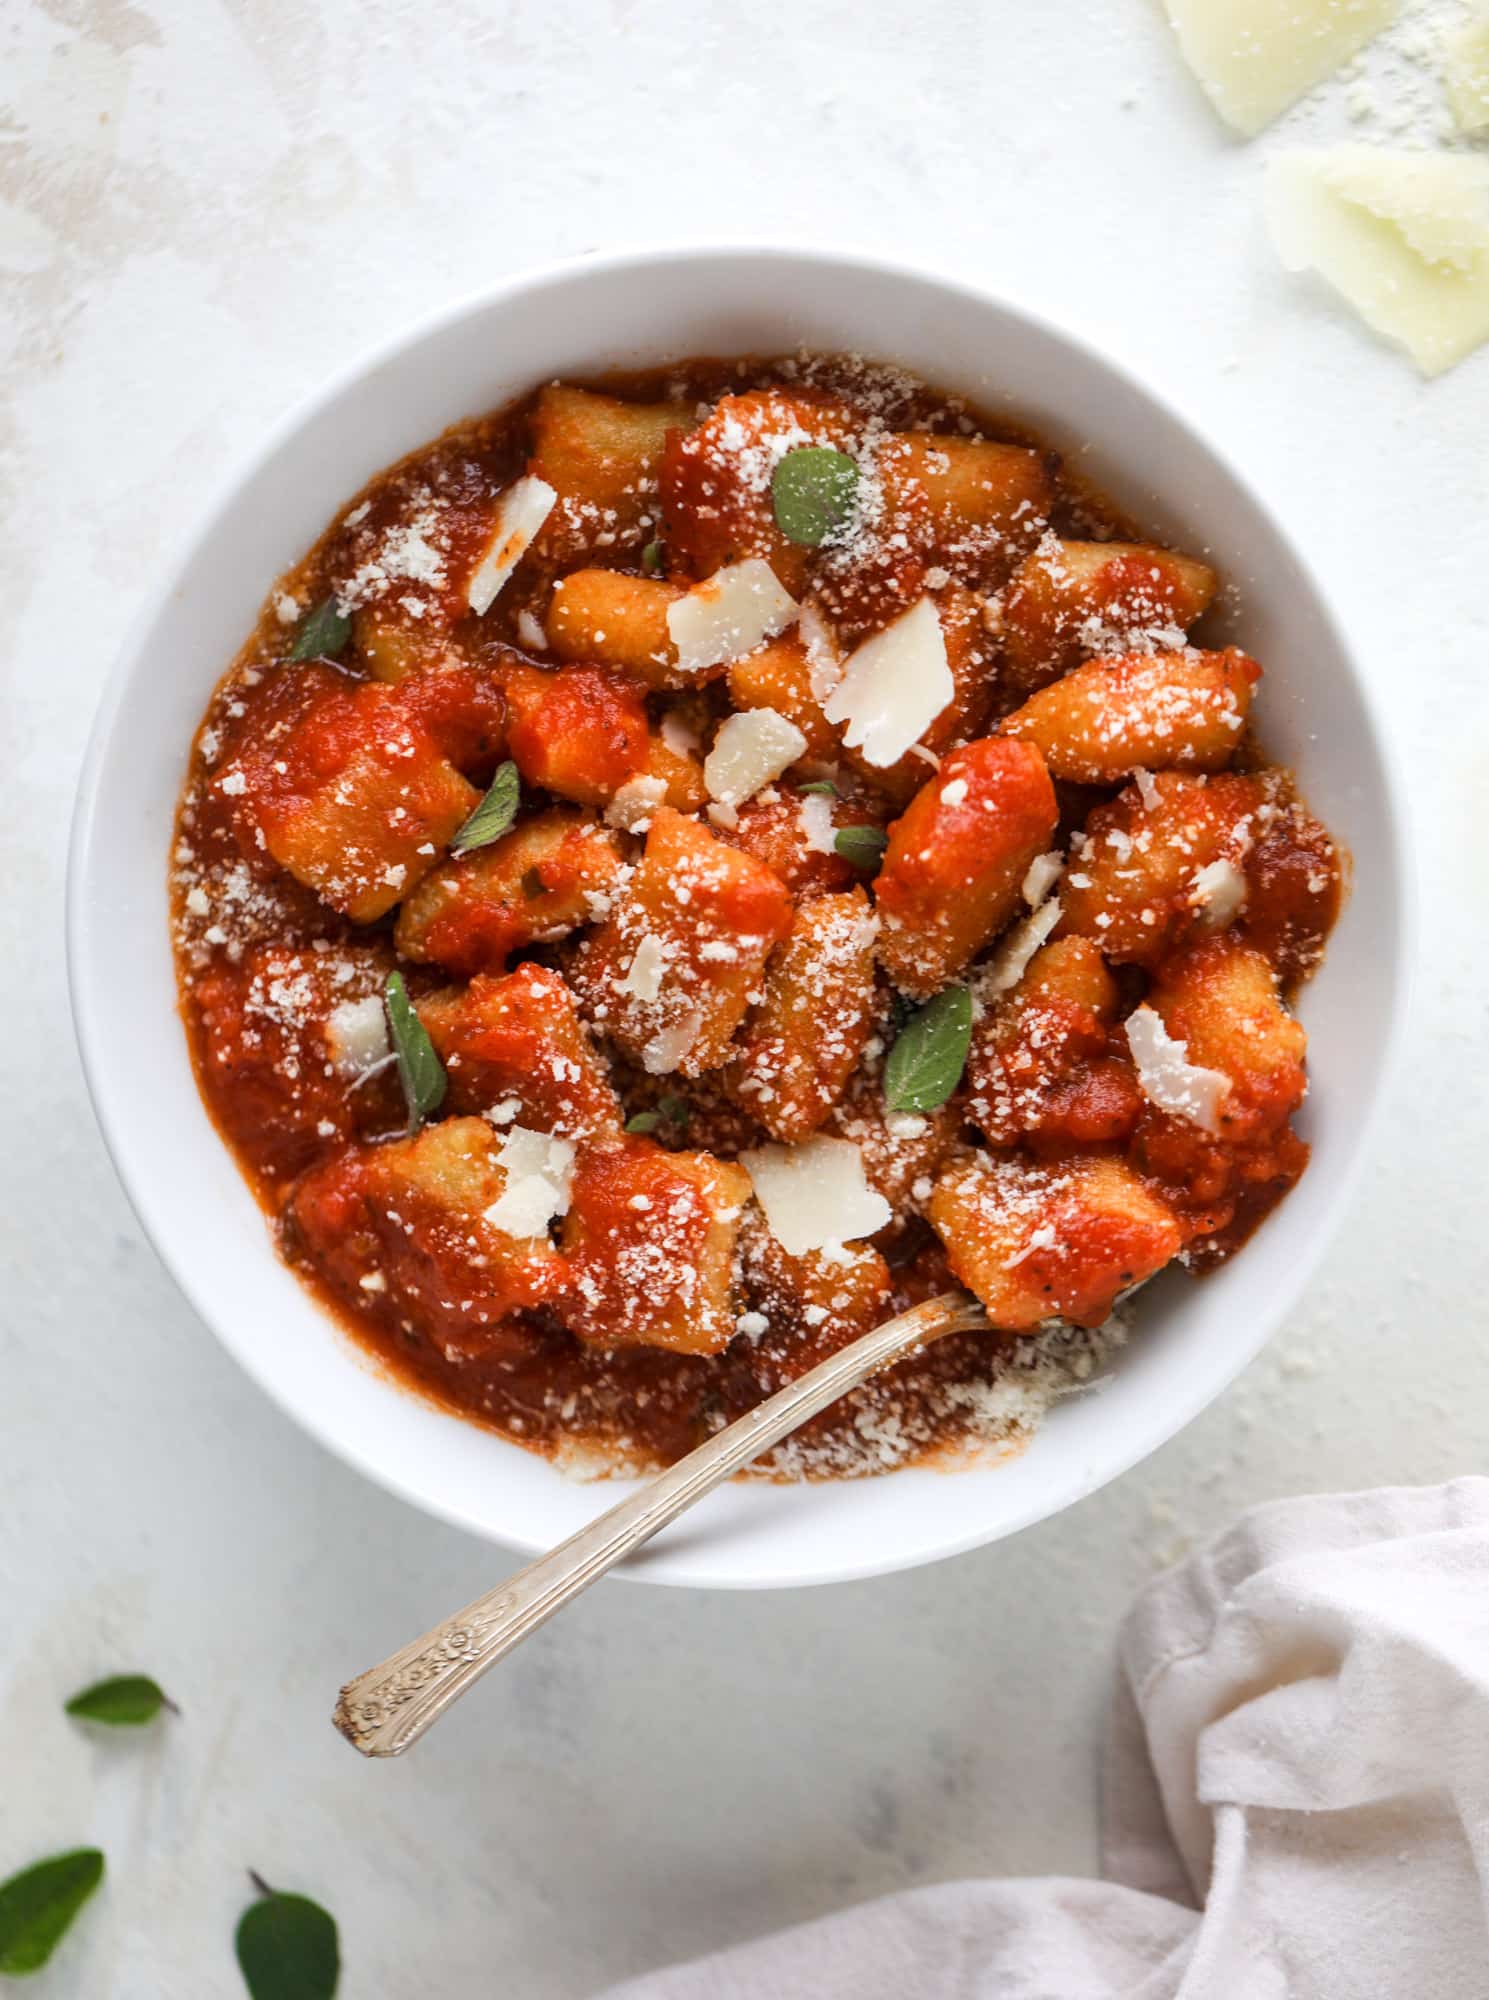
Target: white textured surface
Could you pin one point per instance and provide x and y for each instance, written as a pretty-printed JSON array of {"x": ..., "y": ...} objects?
[{"x": 203, "y": 208}]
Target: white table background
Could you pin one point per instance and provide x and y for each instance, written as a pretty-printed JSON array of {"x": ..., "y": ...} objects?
[{"x": 205, "y": 206}]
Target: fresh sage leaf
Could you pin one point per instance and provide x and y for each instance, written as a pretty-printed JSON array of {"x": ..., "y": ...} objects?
[
  {"x": 323, "y": 632},
  {"x": 824, "y": 785},
  {"x": 812, "y": 493},
  {"x": 862, "y": 845},
  {"x": 651, "y": 559},
  {"x": 676, "y": 1110},
  {"x": 125, "y": 1700},
  {"x": 926, "y": 1063},
  {"x": 644, "y": 1121},
  {"x": 420, "y": 1070},
  {"x": 38, "y": 1905},
  {"x": 494, "y": 814},
  {"x": 287, "y": 1947}
]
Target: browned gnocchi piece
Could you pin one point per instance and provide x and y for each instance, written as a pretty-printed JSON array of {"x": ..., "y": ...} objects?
[
  {"x": 973, "y": 505},
  {"x": 1044, "y": 1067},
  {"x": 1071, "y": 599},
  {"x": 669, "y": 975},
  {"x": 801, "y": 1044},
  {"x": 601, "y": 456},
  {"x": 1220, "y": 999},
  {"x": 619, "y": 621},
  {"x": 1161, "y": 863},
  {"x": 534, "y": 885},
  {"x": 1061, "y": 1241},
  {"x": 516, "y": 1048},
  {"x": 781, "y": 676},
  {"x": 1181, "y": 711},
  {"x": 717, "y": 481},
  {"x": 957, "y": 859},
  {"x": 649, "y": 1243}
]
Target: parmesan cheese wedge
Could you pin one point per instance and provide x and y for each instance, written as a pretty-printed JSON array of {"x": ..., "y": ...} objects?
[
  {"x": 520, "y": 513},
  {"x": 1465, "y": 72},
  {"x": 539, "y": 1172},
  {"x": 731, "y": 613},
  {"x": 1254, "y": 58},
  {"x": 751, "y": 749},
  {"x": 894, "y": 686},
  {"x": 815, "y": 1194},
  {"x": 1168, "y": 1078},
  {"x": 1404, "y": 237}
]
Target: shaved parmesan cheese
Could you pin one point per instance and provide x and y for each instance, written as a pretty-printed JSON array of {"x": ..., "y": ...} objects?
[
  {"x": 1044, "y": 872},
  {"x": 539, "y": 1172},
  {"x": 644, "y": 976},
  {"x": 750, "y": 750},
  {"x": 824, "y": 654},
  {"x": 1404, "y": 237},
  {"x": 1255, "y": 57},
  {"x": 357, "y": 1036},
  {"x": 1465, "y": 72},
  {"x": 815, "y": 1194},
  {"x": 633, "y": 805},
  {"x": 668, "y": 1046},
  {"x": 1217, "y": 892},
  {"x": 737, "y": 609},
  {"x": 531, "y": 633},
  {"x": 818, "y": 829},
  {"x": 894, "y": 686},
  {"x": 520, "y": 513},
  {"x": 1019, "y": 946},
  {"x": 1168, "y": 1077}
]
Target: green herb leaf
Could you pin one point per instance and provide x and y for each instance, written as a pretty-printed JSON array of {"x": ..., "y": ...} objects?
[
  {"x": 644, "y": 1121},
  {"x": 926, "y": 1063},
  {"x": 676, "y": 1110},
  {"x": 125, "y": 1700},
  {"x": 823, "y": 785},
  {"x": 323, "y": 632},
  {"x": 420, "y": 1070},
  {"x": 651, "y": 559},
  {"x": 38, "y": 1905},
  {"x": 494, "y": 814},
  {"x": 862, "y": 845},
  {"x": 287, "y": 1947},
  {"x": 813, "y": 492}
]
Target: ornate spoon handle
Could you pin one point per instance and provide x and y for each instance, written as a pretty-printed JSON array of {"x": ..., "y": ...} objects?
[{"x": 389, "y": 1707}]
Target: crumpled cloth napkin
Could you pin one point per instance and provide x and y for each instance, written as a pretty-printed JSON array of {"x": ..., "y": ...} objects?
[{"x": 1296, "y": 1794}]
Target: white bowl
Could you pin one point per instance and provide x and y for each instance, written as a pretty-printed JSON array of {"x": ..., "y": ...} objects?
[{"x": 620, "y": 311}]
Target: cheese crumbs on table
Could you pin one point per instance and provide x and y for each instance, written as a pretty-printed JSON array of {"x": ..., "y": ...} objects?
[{"x": 818, "y": 852}]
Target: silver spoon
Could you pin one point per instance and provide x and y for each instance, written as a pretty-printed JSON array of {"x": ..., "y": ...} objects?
[{"x": 389, "y": 1707}]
